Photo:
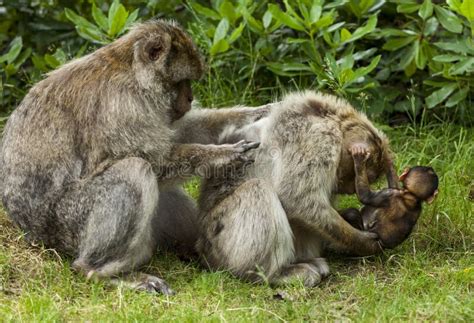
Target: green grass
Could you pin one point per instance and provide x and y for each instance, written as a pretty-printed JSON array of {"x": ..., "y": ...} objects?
[{"x": 429, "y": 277}]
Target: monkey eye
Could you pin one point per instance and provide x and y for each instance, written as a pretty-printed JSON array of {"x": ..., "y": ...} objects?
[{"x": 372, "y": 224}]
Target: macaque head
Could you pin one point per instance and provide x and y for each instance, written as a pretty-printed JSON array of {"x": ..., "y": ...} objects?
[
  {"x": 377, "y": 164},
  {"x": 421, "y": 181},
  {"x": 166, "y": 60}
]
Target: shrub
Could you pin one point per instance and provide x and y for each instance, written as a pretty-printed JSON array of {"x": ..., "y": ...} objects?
[{"x": 384, "y": 56}]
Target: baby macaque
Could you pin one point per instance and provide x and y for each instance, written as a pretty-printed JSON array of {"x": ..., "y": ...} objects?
[{"x": 391, "y": 212}]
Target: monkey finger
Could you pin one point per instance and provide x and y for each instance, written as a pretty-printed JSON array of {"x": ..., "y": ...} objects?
[{"x": 250, "y": 145}]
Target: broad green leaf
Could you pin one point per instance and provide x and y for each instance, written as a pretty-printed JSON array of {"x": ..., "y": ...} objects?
[
  {"x": 389, "y": 32},
  {"x": 219, "y": 47},
  {"x": 448, "y": 19},
  {"x": 364, "y": 54},
  {"x": 426, "y": 10},
  {"x": 206, "y": 12},
  {"x": 292, "y": 13},
  {"x": 254, "y": 24},
  {"x": 336, "y": 26},
  {"x": 436, "y": 83},
  {"x": 79, "y": 21},
  {"x": 227, "y": 10},
  {"x": 22, "y": 58},
  {"x": 100, "y": 18},
  {"x": 325, "y": 21},
  {"x": 39, "y": 63},
  {"x": 447, "y": 58},
  {"x": 315, "y": 12},
  {"x": 362, "y": 71},
  {"x": 455, "y": 45},
  {"x": 440, "y": 95},
  {"x": 289, "y": 69},
  {"x": 397, "y": 43},
  {"x": 236, "y": 33},
  {"x": 15, "y": 49},
  {"x": 304, "y": 12},
  {"x": 221, "y": 30},
  {"x": 457, "y": 97},
  {"x": 454, "y": 5},
  {"x": 408, "y": 56},
  {"x": 408, "y": 7},
  {"x": 421, "y": 56},
  {"x": 60, "y": 55},
  {"x": 364, "y": 30},
  {"x": 131, "y": 19},
  {"x": 467, "y": 9},
  {"x": 345, "y": 34},
  {"x": 431, "y": 25},
  {"x": 463, "y": 66},
  {"x": 346, "y": 77},
  {"x": 347, "y": 62},
  {"x": 10, "y": 70},
  {"x": 92, "y": 34},
  {"x": 117, "y": 18},
  {"x": 267, "y": 19},
  {"x": 291, "y": 40},
  {"x": 52, "y": 61},
  {"x": 285, "y": 18}
]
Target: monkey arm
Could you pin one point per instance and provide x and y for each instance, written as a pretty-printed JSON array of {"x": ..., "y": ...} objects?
[
  {"x": 366, "y": 196},
  {"x": 392, "y": 177},
  {"x": 342, "y": 237},
  {"x": 205, "y": 125},
  {"x": 187, "y": 160}
]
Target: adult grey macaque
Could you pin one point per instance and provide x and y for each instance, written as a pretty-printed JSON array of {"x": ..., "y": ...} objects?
[
  {"x": 89, "y": 160},
  {"x": 276, "y": 216}
]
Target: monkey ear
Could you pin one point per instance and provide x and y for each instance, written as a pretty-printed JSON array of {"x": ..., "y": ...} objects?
[
  {"x": 154, "y": 49},
  {"x": 430, "y": 199},
  {"x": 404, "y": 174}
]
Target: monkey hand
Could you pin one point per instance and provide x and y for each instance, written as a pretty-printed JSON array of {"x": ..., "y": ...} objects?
[
  {"x": 369, "y": 244},
  {"x": 360, "y": 152},
  {"x": 238, "y": 153}
]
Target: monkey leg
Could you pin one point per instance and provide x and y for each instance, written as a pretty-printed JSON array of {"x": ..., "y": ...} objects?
[
  {"x": 176, "y": 225},
  {"x": 309, "y": 267},
  {"x": 249, "y": 239},
  {"x": 117, "y": 208}
]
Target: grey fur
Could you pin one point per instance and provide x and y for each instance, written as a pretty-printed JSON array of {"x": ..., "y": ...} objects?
[
  {"x": 276, "y": 218},
  {"x": 87, "y": 154}
]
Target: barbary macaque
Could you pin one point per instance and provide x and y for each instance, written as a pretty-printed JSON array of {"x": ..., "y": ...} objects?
[
  {"x": 89, "y": 157},
  {"x": 276, "y": 218},
  {"x": 391, "y": 213}
]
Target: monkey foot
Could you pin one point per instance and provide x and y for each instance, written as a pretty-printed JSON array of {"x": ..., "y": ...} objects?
[
  {"x": 307, "y": 273},
  {"x": 153, "y": 284}
]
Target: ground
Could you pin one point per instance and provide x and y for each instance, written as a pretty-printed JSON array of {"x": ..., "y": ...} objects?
[{"x": 429, "y": 277}]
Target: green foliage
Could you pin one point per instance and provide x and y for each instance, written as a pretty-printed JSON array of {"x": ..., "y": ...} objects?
[{"x": 370, "y": 51}]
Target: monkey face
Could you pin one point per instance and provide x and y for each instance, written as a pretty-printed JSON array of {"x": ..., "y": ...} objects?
[
  {"x": 183, "y": 100},
  {"x": 346, "y": 173}
]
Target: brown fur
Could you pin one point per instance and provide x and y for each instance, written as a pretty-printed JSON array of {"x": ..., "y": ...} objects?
[{"x": 390, "y": 213}]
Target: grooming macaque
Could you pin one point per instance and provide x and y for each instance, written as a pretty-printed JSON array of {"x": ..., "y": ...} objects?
[
  {"x": 391, "y": 213},
  {"x": 276, "y": 218},
  {"x": 89, "y": 157}
]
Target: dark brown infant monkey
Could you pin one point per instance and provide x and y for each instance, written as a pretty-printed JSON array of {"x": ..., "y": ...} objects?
[{"x": 392, "y": 212}]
